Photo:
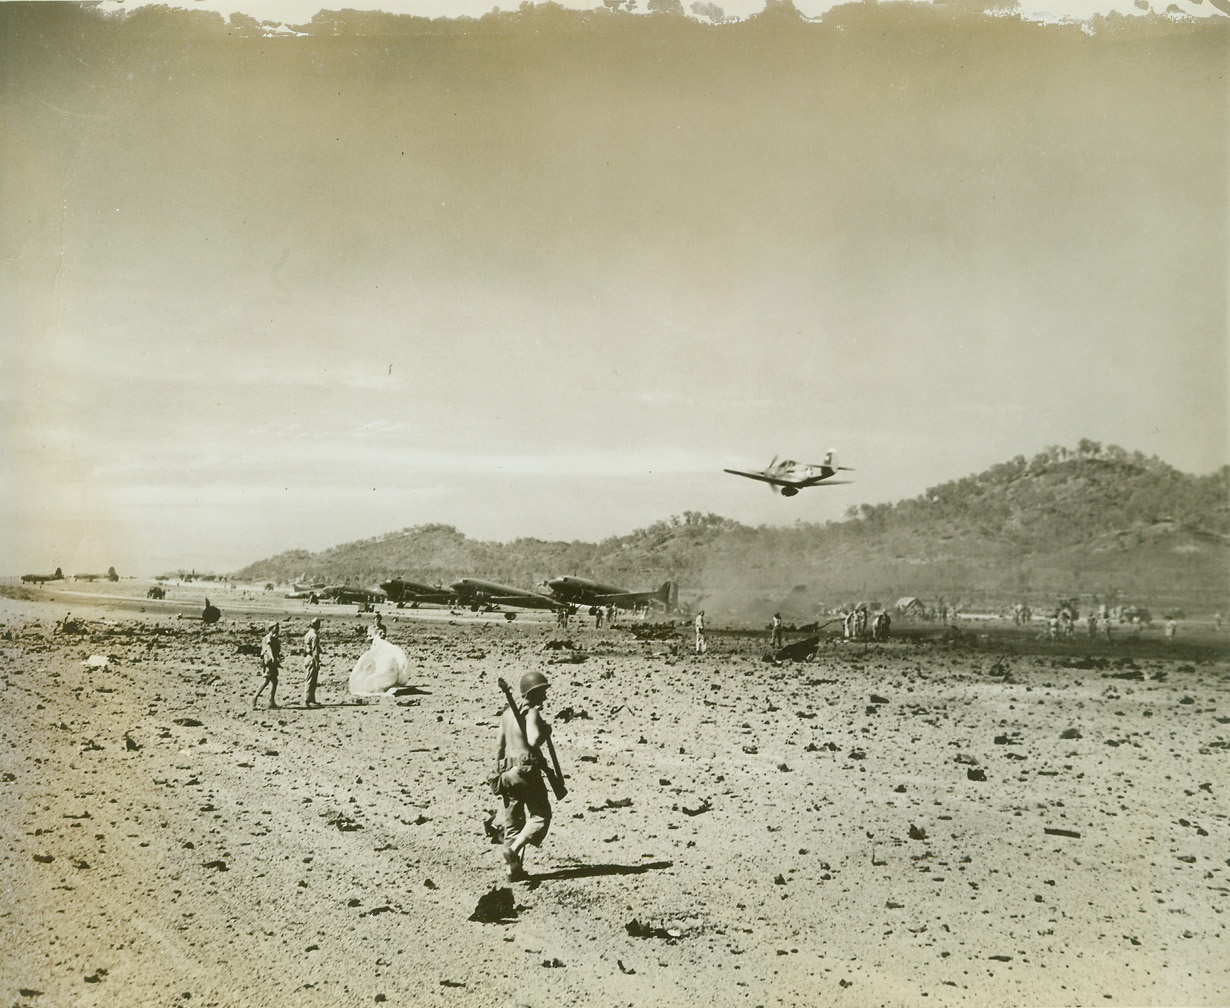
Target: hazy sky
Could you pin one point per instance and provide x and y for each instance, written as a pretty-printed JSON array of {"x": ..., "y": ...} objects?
[{"x": 260, "y": 294}]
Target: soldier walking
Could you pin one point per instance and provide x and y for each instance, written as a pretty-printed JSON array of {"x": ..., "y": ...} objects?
[
  {"x": 777, "y": 630},
  {"x": 699, "y": 625},
  {"x": 271, "y": 662},
  {"x": 527, "y": 807}
]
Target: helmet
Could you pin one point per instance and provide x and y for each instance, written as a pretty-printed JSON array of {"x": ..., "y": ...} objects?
[
  {"x": 315, "y": 622},
  {"x": 532, "y": 681}
]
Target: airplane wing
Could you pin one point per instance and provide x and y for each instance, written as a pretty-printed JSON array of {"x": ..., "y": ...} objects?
[
  {"x": 510, "y": 599},
  {"x": 762, "y": 477},
  {"x": 821, "y": 481},
  {"x": 525, "y": 601},
  {"x": 618, "y": 598}
]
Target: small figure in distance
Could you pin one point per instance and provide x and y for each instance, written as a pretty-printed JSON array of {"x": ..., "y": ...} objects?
[
  {"x": 527, "y": 806},
  {"x": 311, "y": 662},
  {"x": 271, "y": 662},
  {"x": 699, "y": 625},
  {"x": 777, "y": 630}
]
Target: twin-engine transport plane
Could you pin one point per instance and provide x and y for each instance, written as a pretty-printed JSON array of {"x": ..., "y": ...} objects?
[
  {"x": 343, "y": 595},
  {"x": 582, "y": 591},
  {"x": 789, "y": 477},
  {"x": 41, "y": 578},
  {"x": 411, "y": 593},
  {"x": 487, "y": 595}
]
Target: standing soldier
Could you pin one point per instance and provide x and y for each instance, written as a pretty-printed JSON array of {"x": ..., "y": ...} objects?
[
  {"x": 699, "y": 625},
  {"x": 271, "y": 662},
  {"x": 527, "y": 807},
  {"x": 311, "y": 662},
  {"x": 777, "y": 630},
  {"x": 1093, "y": 625}
]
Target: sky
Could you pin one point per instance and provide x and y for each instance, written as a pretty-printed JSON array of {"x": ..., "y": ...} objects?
[{"x": 265, "y": 294}]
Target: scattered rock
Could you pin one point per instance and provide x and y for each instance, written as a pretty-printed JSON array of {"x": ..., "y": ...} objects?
[
  {"x": 636, "y": 929},
  {"x": 494, "y": 907}
]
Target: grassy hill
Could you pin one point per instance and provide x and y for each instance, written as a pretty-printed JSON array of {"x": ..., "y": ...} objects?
[{"x": 1091, "y": 520}]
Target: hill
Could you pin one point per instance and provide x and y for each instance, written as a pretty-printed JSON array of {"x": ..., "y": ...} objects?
[{"x": 1092, "y": 520}]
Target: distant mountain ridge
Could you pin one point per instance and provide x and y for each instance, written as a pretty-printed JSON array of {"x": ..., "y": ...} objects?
[{"x": 1094, "y": 520}]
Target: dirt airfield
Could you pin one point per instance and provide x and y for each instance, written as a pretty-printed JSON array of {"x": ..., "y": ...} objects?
[{"x": 992, "y": 821}]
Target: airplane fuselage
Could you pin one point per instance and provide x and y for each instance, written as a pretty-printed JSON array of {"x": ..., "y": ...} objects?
[
  {"x": 476, "y": 592},
  {"x": 583, "y": 591}
]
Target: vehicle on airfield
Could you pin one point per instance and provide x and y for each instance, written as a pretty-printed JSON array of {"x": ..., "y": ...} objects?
[
  {"x": 584, "y": 592},
  {"x": 413, "y": 594},
  {"x": 40, "y": 578},
  {"x": 489, "y": 596},
  {"x": 788, "y": 477}
]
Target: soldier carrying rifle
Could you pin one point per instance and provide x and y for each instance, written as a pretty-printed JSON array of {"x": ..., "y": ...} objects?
[{"x": 521, "y": 769}]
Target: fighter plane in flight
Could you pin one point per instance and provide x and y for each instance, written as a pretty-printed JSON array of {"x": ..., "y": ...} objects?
[
  {"x": 479, "y": 594},
  {"x": 582, "y": 591},
  {"x": 40, "y": 578},
  {"x": 413, "y": 594},
  {"x": 788, "y": 477}
]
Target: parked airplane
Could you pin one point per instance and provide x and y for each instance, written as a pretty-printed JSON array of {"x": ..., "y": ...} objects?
[
  {"x": 582, "y": 591},
  {"x": 411, "y": 593},
  {"x": 40, "y": 578},
  {"x": 308, "y": 592},
  {"x": 347, "y": 595},
  {"x": 789, "y": 477},
  {"x": 478, "y": 594},
  {"x": 341, "y": 594}
]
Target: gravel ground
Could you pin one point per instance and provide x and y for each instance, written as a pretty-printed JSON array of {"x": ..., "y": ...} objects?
[{"x": 917, "y": 822}]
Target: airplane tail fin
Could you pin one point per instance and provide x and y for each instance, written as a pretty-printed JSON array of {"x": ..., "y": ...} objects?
[
  {"x": 830, "y": 462},
  {"x": 59, "y": 574},
  {"x": 668, "y": 595}
]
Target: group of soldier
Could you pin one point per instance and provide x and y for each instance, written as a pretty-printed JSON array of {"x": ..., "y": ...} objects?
[
  {"x": 271, "y": 664},
  {"x": 523, "y": 733},
  {"x": 854, "y": 625}
]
